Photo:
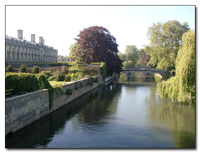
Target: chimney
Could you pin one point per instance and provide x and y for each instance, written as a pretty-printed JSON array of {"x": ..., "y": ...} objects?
[
  {"x": 41, "y": 40},
  {"x": 20, "y": 34},
  {"x": 32, "y": 37}
]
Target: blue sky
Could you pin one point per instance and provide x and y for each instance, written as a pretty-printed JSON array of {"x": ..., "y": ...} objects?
[{"x": 59, "y": 25}]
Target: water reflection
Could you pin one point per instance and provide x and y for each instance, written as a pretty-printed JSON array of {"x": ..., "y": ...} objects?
[
  {"x": 41, "y": 132},
  {"x": 121, "y": 115},
  {"x": 177, "y": 117}
]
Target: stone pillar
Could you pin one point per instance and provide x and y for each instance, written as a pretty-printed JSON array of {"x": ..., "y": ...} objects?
[
  {"x": 7, "y": 53},
  {"x": 15, "y": 51},
  {"x": 20, "y": 54},
  {"x": 30, "y": 59}
]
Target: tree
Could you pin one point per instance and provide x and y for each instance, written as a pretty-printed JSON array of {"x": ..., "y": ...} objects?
[
  {"x": 98, "y": 45},
  {"x": 76, "y": 53},
  {"x": 23, "y": 68},
  {"x": 144, "y": 58},
  {"x": 182, "y": 86},
  {"x": 35, "y": 70},
  {"x": 131, "y": 54},
  {"x": 9, "y": 68},
  {"x": 165, "y": 41},
  {"x": 122, "y": 56}
]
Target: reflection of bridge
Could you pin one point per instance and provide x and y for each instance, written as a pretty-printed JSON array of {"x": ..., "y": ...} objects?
[{"x": 148, "y": 72}]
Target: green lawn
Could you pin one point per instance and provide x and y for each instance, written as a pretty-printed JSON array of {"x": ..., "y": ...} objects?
[{"x": 57, "y": 84}]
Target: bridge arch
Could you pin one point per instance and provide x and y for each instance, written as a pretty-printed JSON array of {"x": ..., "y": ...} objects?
[{"x": 148, "y": 72}]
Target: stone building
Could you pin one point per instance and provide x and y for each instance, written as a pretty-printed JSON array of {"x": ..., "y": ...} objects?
[
  {"x": 20, "y": 51},
  {"x": 62, "y": 58}
]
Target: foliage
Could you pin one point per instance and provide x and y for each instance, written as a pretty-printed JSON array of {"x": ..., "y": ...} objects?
[
  {"x": 44, "y": 84},
  {"x": 131, "y": 54},
  {"x": 64, "y": 70},
  {"x": 76, "y": 53},
  {"x": 21, "y": 83},
  {"x": 123, "y": 77},
  {"x": 103, "y": 69},
  {"x": 90, "y": 82},
  {"x": 47, "y": 74},
  {"x": 144, "y": 58},
  {"x": 73, "y": 76},
  {"x": 9, "y": 68},
  {"x": 128, "y": 64},
  {"x": 98, "y": 45},
  {"x": 69, "y": 91},
  {"x": 51, "y": 70},
  {"x": 52, "y": 78},
  {"x": 52, "y": 64},
  {"x": 76, "y": 86},
  {"x": 60, "y": 77},
  {"x": 166, "y": 76},
  {"x": 165, "y": 42},
  {"x": 56, "y": 84},
  {"x": 122, "y": 56},
  {"x": 23, "y": 68},
  {"x": 68, "y": 78},
  {"x": 35, "y": 70},
  {"x": 75, "y": 68},
  {"x": 182, "y": 87}
]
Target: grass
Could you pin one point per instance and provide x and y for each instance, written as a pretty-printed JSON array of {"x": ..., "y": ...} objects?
[{"x": 57, "y": 84}]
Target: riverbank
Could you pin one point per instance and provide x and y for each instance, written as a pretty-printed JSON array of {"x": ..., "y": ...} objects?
[{"x": 25, "y": 109}]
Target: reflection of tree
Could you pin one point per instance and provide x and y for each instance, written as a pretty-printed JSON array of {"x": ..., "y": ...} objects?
[
  {"x": 138, "y": 77},
  {"x": 100, "y": 107},
  {"x": 41, "y": 132},
  {"x": 180, "y": 118}
]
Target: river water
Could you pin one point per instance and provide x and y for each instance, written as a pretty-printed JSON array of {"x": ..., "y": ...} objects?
[{"x": 120, "y": 115}]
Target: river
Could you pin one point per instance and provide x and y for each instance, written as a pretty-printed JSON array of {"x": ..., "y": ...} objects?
[{"x": 120, "y": 115}]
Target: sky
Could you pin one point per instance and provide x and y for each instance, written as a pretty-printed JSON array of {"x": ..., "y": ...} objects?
[{"x": 59, "y": 25}]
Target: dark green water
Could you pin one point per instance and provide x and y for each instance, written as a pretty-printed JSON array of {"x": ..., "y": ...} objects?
[{"x": 127, "y": 115}]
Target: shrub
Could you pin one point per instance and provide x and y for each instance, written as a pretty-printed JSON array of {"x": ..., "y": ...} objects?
[
  {"x": 69, "y": 91},
  {"x": 44, "y": 84},
  {"x": 103, "y": 69},
  {"x": 21, "y": 83},
  {"x": 95, "y": 79},
  {"x": 64, "y": 70},
  {"x": 73, "y": 76},
  {"x": 23, "y": 68},
  {"x": 51, "y": 70},
  {"x": 166, "y": 76},
  {"x": 47, "y": 74},
  {"x": 68, "y": 78},
  {"x": 90, "y": 82},
  {"x": 60, "y": 77},
  {"x": 51, "y": 78},
  {"x": 76, "y": 86},
  {"x": 35, "y": 70},
  {"x": 9, "y": 68},
  {"x": 79, "y": 75}
]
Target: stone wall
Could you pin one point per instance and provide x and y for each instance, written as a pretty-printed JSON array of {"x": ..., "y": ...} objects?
[
  {"x": 62, "y": 99},
  {"x": 25, "y": 109}
]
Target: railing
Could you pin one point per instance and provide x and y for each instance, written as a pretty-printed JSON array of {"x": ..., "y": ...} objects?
[{"x": 147, "y": 69}]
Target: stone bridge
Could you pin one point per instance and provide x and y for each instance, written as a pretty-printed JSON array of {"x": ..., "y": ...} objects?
[{"x": 148, "y": 72}]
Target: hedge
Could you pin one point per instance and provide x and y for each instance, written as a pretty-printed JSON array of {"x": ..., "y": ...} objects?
[
  {"x": 44, "y": 84},
  {"x": 21, "y": 83}
]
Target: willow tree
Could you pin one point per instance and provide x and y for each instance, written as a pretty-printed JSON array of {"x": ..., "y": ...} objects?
[
  {"x": 165, "y": 41},
  {"x": 182, "y": 87}
]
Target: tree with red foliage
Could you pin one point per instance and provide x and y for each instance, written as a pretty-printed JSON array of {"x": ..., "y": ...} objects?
[
  {"x": 98, "y": 45},
  {"x": 144, "y": 59}
]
